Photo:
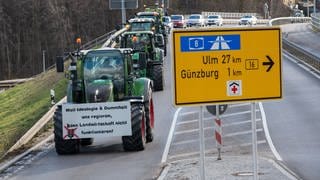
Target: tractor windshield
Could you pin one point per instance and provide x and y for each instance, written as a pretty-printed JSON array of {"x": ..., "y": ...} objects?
[
  {"x": 149, "y": 16},
  {"x": 141, "y": 26},
  {"x": 103, "y": 64},
  {"x": 139, "y": 42}
]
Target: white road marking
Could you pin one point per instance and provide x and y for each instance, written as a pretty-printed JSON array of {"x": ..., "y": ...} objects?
[
  {"x": 267, "y": 134},
  {"x": 191, "y": 130},
  {"x": 188, "y": 113},
  {"x": 212, "y": 138},
  {"x": 240, "y": 133},
  {"x": 235, "y": 114},
  {"x": 212, "y": 127},
  {"x": 238, "y": 105},
  {"x": 169, "y": 139},
  {"x": 212, "y": 150},
  {"x": 238, "y": 123},
  {"x": 211, "y": 118}
]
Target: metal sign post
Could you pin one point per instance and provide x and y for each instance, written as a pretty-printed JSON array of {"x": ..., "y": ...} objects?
[
  {"x": 218, "y": 132},
  {"x": 223, "y": 61},
  {"x": 202, "y": 155},
  {"x": 123, "y": 5},
  {"x": 254, "y": 141}
]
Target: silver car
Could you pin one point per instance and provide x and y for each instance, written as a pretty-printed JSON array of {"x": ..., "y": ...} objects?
[
  {"x": 248, "y": 20},
  {"x": 195, "y": 20},
  {"x": 214, "y": 20}
]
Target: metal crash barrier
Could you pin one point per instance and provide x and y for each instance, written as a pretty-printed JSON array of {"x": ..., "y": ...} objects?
[{"x": 315, "y": 21}]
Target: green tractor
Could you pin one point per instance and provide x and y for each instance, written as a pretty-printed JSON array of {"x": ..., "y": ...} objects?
[
  {"x": 147, "y": 57},
  {"x": 104, "y": 98},
  {"x": 148, "y": 24},
  {"x": 159, "y": 25}
]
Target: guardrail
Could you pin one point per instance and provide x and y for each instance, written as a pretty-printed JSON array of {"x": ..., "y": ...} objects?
[
  {"x": 311, "y": 58},
  {"x": 315, "y": 20},
  {"x": 98, "y": 41},
  {"x": 13, "y": 82},
  {"x": 229, "y": 15},
  {"x": 288, "y": 20},
  {"x": 236, "y": 21},
  {"x": 112, "y": 41}
]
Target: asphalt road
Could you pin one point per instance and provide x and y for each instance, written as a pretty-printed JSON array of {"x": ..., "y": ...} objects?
[
  {"x": 106, "y": 158},
  {"x": 294, "y": 121}
]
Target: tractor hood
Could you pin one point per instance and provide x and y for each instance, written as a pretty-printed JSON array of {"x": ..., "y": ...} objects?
[{"x": 99, "y": 90}]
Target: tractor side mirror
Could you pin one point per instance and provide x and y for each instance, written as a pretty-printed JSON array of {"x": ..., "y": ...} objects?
[
  {"x": 59, "y": 64},
  {"x": 159, "y": 40},
  {"x": 142, "y": 60}
]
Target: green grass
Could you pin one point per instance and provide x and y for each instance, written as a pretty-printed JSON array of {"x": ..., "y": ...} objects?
[{"x": 22, "y": 106}]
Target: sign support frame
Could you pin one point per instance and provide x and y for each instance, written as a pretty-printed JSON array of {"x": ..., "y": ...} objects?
[
  {"x": 202, "y": 147},
  {"x": 254, "y": 141},
  {"x": 220, "y": 131}
]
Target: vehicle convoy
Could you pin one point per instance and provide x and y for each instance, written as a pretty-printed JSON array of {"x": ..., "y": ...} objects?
[
  {"x": 104, "y": 98},
  {"x": 148, "y": 58}
]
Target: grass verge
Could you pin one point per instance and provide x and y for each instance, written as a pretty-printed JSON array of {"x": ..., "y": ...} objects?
[{"x": 22, "y": 106}]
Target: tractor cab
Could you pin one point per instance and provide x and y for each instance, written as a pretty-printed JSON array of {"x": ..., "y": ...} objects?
[
  {"x": 159, "y": 26},
  {"x": 105, "y": 74},
  {"x": 141, "y": 24}
]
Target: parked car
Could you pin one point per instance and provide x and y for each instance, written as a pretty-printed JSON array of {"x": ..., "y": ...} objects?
[
  {"x": 214, "y": 20},
  {"x": 178, "y": 21},
  {"x": 248, "y": 20},
  {"x": 195, "y": 20}
]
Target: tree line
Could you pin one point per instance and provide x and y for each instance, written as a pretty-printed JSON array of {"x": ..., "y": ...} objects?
[{"x": 30, "y": 29}]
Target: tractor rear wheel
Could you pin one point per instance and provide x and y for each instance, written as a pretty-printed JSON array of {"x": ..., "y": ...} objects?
[
  {"x": 157, "y": 76},
  {"x": 149, "y": 116},
  {"x": 137, "y": 141},
  {"x": 70, "y": 146}
]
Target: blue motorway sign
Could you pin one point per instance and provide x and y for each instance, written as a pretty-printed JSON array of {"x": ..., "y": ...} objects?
[{"x": 210, "y": 43}]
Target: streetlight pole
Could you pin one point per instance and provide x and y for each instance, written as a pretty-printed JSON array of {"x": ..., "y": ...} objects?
[
  {"x": 123, "y": 13},
  {"x": 308, "y": 12},
  {"x": 314, "y": 7},
  {"x": 270, "y": 14}
]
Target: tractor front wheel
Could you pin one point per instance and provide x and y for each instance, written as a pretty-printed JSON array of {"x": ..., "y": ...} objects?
[
  {"x": 70, "y": 146},
  {"x": 137, "y": 141}
]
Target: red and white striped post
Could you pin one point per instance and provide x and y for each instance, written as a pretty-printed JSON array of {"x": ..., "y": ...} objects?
[{"x": 218, "y": 132}]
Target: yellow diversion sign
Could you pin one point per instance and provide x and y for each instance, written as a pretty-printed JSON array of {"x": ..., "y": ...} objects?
[{"x": 226, "y": 65}]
